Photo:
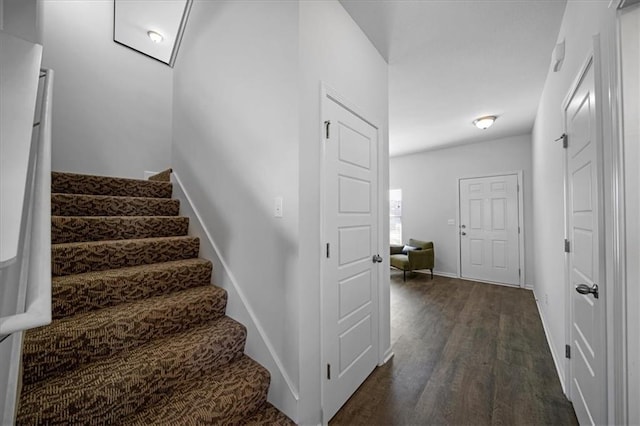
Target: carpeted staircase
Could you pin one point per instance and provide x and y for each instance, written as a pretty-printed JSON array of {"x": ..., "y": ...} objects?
[{"x": 139, "y": 333}]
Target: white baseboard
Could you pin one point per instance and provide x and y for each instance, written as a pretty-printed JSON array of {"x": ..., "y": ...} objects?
[
  {"x": 387, "y": 356},
  {"x": 552, "y": 348},
  {"x": 200, "y": 229},
  {"x": 445, "y": 274}
]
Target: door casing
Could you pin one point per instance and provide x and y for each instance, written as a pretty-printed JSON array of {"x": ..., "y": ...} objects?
[
  {"x": 593, "y": 60},
  {"x": 522, "y": 236},
  {"x": 328, "y": 94}
]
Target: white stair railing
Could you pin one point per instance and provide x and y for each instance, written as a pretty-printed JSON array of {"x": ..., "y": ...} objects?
[
  {"x": 32, "y": 268},
  {"x": 25, "y": 207}
]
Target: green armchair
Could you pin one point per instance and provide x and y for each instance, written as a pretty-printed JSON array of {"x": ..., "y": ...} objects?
[{"x": 413, "y": 260}]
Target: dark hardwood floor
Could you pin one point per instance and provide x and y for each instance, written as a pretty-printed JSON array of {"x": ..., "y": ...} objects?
[{"x": 466, "y": 353}]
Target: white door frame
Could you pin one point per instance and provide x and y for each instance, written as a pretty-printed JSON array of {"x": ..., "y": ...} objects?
[
  {"x": 328, "y": 94},
  {"x": 521, "y": 236},
  {"x": 626, "y": 279},
  {"x": 593, "y": 60}
]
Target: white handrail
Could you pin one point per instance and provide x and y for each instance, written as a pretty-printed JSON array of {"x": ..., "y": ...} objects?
[{"x": 33, "y": 271}]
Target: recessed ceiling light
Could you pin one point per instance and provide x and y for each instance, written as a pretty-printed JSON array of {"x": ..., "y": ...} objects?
[
  {"x": 155, "y": 36},
  {"x": 484, "y": 122}
]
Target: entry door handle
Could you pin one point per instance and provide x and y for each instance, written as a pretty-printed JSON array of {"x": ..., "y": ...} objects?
[
  {"x": 585, "y": 289},
  {"x": 377, "y": 258},
  {"x": 463, "y": 233}
]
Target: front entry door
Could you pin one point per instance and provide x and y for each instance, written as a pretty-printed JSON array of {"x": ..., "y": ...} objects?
[
  {"x": 489, "y": 229},
  {"x": 587, "y": 335},
  {"x": 350, "y": 278}
]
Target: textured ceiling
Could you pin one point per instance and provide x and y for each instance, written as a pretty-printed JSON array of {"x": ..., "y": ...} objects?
[{"x": 453, "y": 61}]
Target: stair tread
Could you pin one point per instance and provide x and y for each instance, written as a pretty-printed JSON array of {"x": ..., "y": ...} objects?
[
  {"x": 80, "y": 339},
  {"x": 76, "y": 183},
  {"x": 220, "y": 398},
  {"x": 110, "y": 205},
  {"x": 268, "y": 415},
  {"x": 66, "y": 229},
  {"x": 86, "y": 256},
  {"x": 78, "y": 293},
  {"x": 108, "y": 390}
]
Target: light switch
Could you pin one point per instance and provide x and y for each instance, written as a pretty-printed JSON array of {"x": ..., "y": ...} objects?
[
  {"x": 451, "y": 222},
  {"x": 277, "y": 207}
]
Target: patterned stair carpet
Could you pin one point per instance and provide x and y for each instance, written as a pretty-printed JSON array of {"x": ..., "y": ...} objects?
[{"x": 139, "y": 334}]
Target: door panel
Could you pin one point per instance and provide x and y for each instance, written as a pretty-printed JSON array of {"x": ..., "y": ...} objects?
[
  {"x": 489, "y": 236},
  {"x": 350, "y": 278},
  {"x": 588, "y": 374}
]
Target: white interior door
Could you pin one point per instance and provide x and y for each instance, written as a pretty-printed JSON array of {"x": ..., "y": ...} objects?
[
  {"x": 489, "y": 229},
  {"x": 587, "y": 324},
  {"x": 350, "y": 278}
]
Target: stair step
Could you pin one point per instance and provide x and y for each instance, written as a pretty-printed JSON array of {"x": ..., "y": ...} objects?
[
  {"x": 79, "y": 293},
  {"x": 163, "y": 176},
  {"x": 268, "y": 415},
  {"x": 73, "y": 183},
  {"x": 107, "y": 391},
  {"x": 222, "y": 398},
  {"x": 105, "y": 205},
  {"x": 81, "y": 339},
  {"x": 68, "y": 229},
  {"x": 77, "y": 258}
]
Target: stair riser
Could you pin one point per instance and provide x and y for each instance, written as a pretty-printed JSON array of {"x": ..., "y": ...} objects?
[
  {"x": 112, "y": 391},
  {"x": 89, "y": 205},
  {"x": 74, "y": 229},
  {"x": 77, "y": 294},
  {"x": 70, "y": 343},
  {"x": 67, "y": 259},
  {"x": 68, "y": 183}
]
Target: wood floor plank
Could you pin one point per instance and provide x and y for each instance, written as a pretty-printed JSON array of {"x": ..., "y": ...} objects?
[{"x": 465, "y": 353}]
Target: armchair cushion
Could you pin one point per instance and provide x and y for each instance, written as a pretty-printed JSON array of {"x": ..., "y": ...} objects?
[{"x": 407, "y": 249}]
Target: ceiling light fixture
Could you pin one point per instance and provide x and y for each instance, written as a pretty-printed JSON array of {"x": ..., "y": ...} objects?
[
  {"x": 155, "y": 36},
  {"x": 484, "y": 122}
]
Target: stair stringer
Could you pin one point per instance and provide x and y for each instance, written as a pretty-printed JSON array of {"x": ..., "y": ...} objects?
[{"x": 282, "y": 393}]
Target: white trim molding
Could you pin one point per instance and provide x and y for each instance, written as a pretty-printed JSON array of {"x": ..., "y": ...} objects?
[
  {"x": 521, "y": 226},
  {"x": 552, "y": 348}
]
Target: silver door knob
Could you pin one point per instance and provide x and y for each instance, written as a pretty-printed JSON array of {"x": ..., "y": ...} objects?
[
  {"x": 585, "y": 289},
  {"x": 463, "y": 233},
  {"x": 377, "y": 258}
]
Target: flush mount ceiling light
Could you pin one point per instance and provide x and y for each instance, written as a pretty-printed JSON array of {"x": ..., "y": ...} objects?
[
  {"x": 155, "y": 36},
  {"x": 484, "y": 122}
]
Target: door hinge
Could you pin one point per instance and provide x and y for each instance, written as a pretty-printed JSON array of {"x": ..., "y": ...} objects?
[
  {"x": 567, "y": 351},
  {"x": 328, "y": 371},
  {"x": 518, "y": 229},
  {"x": 565, "y": 140},
  {"x": 327, "y": 124},
  {"x": 519, "y": 272},
  {"x": 328, "y": 251},
  {"x": 567, "y": 246},
  {"x": 518, "y": 187}
]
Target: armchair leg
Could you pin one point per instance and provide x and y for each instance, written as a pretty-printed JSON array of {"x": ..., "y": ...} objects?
[
  {"x": 404, "y": 275},
  {"x": 431, "y": 273}
]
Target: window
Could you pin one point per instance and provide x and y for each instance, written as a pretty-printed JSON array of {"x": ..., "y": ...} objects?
[{"x": 395, "y": 216}]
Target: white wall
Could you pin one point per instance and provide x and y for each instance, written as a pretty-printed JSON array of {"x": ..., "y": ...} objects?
[
  {"x": 582, "y": 20},
  {"x": 235, "y": 149},
  {"x": 112, "y": 105},
  {"x": 335, "y": 51},
  {"x": 429, "y": 183}
]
